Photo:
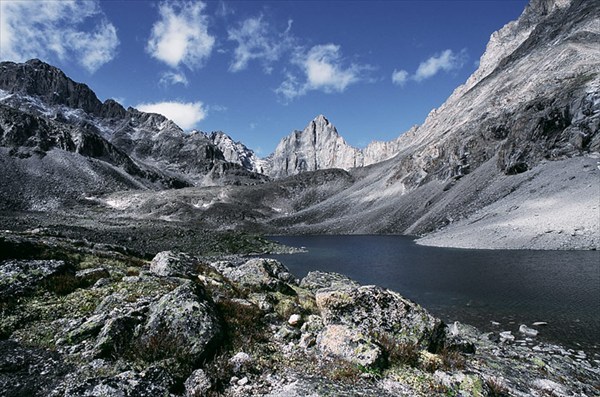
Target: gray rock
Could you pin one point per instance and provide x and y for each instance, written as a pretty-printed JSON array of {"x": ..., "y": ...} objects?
[
  {"x": 261, "y": 274},
  {"x": 525, "y": 330},
  {"x": 551, "y": 387},
  {"x": 197, "y": 384},
  {"x": 240, "y": 362},
  {"x": 349, "y": 344},
  {"x": 20, "y": 276},
  {"x": 506, "y": 336},
  {"x": 316, "y": 280},
  {"x": 116, "y": 335},
  {"x": 375, "y": 311},
  {"x": 150, "y": 382},
  {"x": 173, "y": 264},
  {"x": 294, "y": 320},
  {"x": 182, "y": 323},
  {"x": 88, "y": 277}
]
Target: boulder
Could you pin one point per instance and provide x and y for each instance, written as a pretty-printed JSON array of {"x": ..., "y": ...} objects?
[
  {"x": 295, "y": 320},
  {"x": 173, "y": 264},
  {"x": 525, "y": 330},
  {"x": 18, "y": 277},
  {"x": 182, "y": 324},
  {"x": 261, "y": 274},
  {"x": 350, "y": 345},
  {"x": 240, "y": 362},
  {"x": 87, "y": 277},
  {"x": 318, "y": 280},
  {"x": 375, "y": 311}
]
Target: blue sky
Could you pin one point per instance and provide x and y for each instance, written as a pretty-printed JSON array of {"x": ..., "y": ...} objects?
[{"x": 258, "y": 70}]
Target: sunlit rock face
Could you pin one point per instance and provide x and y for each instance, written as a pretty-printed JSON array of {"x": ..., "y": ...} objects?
[{"x": 320, "y": 146}]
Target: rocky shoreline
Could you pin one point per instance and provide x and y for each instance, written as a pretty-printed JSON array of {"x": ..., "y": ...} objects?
[{"x": 81, "y": 318}]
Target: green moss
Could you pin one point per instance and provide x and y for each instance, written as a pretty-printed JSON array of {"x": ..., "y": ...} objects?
[
  {"x": 538, "y": 362},
  {"x": 472, "y": 385}
]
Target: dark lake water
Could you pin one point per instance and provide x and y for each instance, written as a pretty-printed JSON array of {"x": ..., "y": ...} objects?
[{"x": 511, "y": 287}]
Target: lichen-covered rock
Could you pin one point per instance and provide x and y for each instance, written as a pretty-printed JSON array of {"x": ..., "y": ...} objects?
[
  {"x": 197, "y": 384},
  {"x": 240, "y": 362},
  {"x": 116, "y": 335},
  {"x": 259, "y": 273},
  {"x": 182, "y": 323},
  {"x": 87, "y": 277},
  {"x": 347, "y": 343},
  {"x": 316, "y": 280},
  {"x": 28, "y": 371},
  {"x": 375, "y": 311},
  {"x": 173, "y": 264},
  {"x": 151, "y": 382},
  {"x": 20, "y": 276}
]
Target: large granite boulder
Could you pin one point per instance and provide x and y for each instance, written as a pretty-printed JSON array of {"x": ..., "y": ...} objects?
[
  {"x": 260, "y": 274},
  {"x": 181, "y": 323},
  {"x": 376, "y": 312}
]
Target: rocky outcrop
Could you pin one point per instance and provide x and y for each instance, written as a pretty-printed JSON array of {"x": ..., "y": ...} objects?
[
  {"x": 320, "y": 146},
  {"x": 228, "y": 329}
]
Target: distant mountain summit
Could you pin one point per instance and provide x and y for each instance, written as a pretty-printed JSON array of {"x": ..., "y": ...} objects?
[
  {"x": 237, "y": 153},
  {"x": 320, "y": 146}
]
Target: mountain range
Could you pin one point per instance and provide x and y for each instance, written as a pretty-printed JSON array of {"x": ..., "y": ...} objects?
[{"x": 509, "y": 160}]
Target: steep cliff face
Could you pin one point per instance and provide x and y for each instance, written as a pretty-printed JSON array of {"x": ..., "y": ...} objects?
[
  {"x": 320, "y": 146},
  {"x": 532, "y": 108},
  {"x": 237, "y": 152}
]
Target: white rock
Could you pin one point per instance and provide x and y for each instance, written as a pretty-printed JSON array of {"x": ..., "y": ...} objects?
[
  {"x": 239, "y": 361},
  {"x": 507, "y": 336},
  {"x": 453, "y": 329},
  {"x": 294, "y": 320},
  {"x": 525, "y": 330}
]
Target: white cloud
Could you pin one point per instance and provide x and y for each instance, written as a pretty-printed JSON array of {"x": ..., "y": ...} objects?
[
  {"x": 185, "y": 114},
  {"x": 256, "y": 41},
  {"x": 48, "y": 29},
  {"x": 173, "y": 78},
  {"x": 447, "y": 61},
  {"x": 181, "y": 35},
  {"x": 323, "y": 69},
  {"x": 399, "y": 77}
]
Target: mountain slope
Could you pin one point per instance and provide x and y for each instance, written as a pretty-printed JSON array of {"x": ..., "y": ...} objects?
[
  {"x": 44, "y": 91},
  {"x": 48, "y": 121},
  {"x": 531, "y": 109}
]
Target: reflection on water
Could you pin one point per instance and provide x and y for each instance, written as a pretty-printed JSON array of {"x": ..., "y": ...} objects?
[{"x": 511, "y": 287}]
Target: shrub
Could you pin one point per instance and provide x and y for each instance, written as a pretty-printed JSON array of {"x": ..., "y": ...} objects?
[
  {"x": 496, "y": 388},
  {"x": 61, "y": 284}
]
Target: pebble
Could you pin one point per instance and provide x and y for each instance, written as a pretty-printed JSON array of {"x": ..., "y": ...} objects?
[
  {"x": 507, "y": 336},
  {"x": 244, "y": 381},
  {"x": 294, "y": 319},
  {"x": 540, "y": 323}
]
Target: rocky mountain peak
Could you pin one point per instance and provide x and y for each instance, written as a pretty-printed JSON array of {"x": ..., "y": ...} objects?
[
  {"x": 236, "y": 152},
  {"x": 39, "y": 79},
  {"x": 320, "y": 146}
]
